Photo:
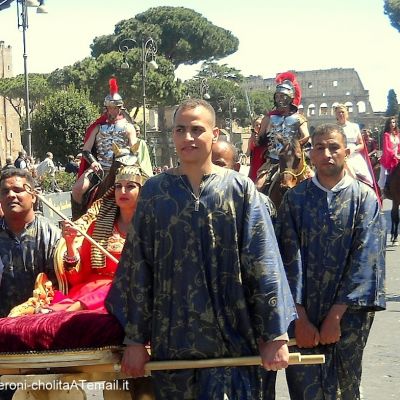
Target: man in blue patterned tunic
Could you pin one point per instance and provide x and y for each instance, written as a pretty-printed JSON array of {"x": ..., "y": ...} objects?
[
  {"x": 332, "y": 239},
  {"x": 200, "y": 276},
  {"x": 27, "y": 243},
  {"x": 27, "y": 240}
]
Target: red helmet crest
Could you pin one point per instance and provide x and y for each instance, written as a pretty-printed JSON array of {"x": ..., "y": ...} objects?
[
  {"x": 113, "y": 99},
  {"x": 287, "y": 83}
]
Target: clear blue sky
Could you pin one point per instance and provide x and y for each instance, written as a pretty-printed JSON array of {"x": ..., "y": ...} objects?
[{"x": 317, "y": 34}]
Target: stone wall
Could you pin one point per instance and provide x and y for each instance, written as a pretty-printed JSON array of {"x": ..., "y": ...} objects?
[
  {"x": 10, "y": 135},
  {"x": 322, "y": 90}
]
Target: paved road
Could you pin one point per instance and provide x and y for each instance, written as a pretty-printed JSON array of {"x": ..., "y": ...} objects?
[{"x": 381, "y": 364}]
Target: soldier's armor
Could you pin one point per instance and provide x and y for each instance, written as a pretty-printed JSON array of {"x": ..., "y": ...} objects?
[
  {"x": 107, "y": 135},
  {"x": 286, "y": 126}
]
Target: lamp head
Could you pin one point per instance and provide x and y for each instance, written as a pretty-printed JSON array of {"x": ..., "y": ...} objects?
[
  {"x": 125, "y": 65},
  {"x": 153, "y": 65},
  {"x": 42, "y": 9},
  {"x": 32, "y": 3}
]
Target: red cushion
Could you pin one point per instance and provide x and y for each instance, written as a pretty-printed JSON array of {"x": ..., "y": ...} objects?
[{"x": 59, "y": 330}]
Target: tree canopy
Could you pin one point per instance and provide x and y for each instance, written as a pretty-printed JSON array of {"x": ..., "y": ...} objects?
[
  {"x": 392, "y": 10},
  {"x": 224, "y": 86},
  {"x": 183, "y": 36},
  {"x": 13, "y": 90},
  {"x": 61, "y": 123},
  {"x": 393, "y": 104}
]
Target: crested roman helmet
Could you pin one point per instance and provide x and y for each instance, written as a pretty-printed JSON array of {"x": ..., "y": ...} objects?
[
  {"x": 114, "y": 98},
  {"x": 287, "y": 84}
]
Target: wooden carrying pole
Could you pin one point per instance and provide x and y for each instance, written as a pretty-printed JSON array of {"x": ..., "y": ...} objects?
[
  {"x": 294, "y": 359},
  {"x": 107, "y": 361},
  {"x": 82, "y": 232}
]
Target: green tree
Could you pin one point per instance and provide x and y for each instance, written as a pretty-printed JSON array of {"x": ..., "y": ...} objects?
[
  {"x": 393, "y": 104},
  {"x": 183, "y": 36},
  {"x": 211, "y": 69},
  {"x": 261, "y": 101},
  {"x": 219, "y": 82},
  {"x": 225, "y": 88},
  {"x": 82, "y": 74},
  {"x": 392, "y": 10},
  {"x": 161, "y": 86},
  {"x": 61, "y": 123},
  {"x": 92, "y": 75},
  {"x": 13, "y": 90}
]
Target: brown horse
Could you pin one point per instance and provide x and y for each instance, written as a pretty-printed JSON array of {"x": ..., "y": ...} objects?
[
  {"x": 375, "y": 164},
  {"x": 392, "y": 192},
  {"x": 292, "y": 170}
]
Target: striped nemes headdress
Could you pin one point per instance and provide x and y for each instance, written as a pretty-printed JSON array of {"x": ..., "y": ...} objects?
[
  {"x": 108, "y": 212},
  {"x": 132, "y": 173}
]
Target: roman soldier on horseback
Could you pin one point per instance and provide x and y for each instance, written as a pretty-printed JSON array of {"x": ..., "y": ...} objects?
[
  {"x": 116, "y": 127},
  {"x": 281, "y": 125}
]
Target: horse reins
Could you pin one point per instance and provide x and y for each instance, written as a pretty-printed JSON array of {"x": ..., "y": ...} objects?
[{"x": 288, "y": 171}]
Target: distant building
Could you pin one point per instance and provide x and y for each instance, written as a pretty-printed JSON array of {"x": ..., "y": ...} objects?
[
  {"x": 322, "y": 90},
  {"x": 10, "y": 135}
]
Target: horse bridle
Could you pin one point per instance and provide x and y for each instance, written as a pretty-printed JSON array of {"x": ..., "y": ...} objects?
[{"x": 290, "y": 171}]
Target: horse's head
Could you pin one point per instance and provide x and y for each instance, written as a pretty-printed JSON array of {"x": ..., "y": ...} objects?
[{"x": 291, "y": 164}]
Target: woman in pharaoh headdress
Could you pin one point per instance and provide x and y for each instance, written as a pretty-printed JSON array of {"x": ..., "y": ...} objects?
[
  {"x": 85, "y": 273},
  {"x": 88, "y": 271}
]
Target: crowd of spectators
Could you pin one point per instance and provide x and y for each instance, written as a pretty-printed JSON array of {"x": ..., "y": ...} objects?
[{"x": 158, "y": 170}]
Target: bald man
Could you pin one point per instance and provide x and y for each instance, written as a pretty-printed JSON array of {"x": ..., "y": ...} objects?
[{"x": 225, "y": 155}]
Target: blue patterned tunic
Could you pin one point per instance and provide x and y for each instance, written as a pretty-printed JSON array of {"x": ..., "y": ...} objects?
[
  {"x": 333, "y": 254},
  {"x": 202, "y": 284},
  {"x": 22, "y": 258}
]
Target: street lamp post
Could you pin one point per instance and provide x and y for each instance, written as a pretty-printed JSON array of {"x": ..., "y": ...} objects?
[
  {"x": 204, "y": 89},
  {"x": 22, "y": 11},
  {"x": 232, "y": 109},
  {"x": 148, "y": 49},
  {"x": 153, "y": 152}
]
